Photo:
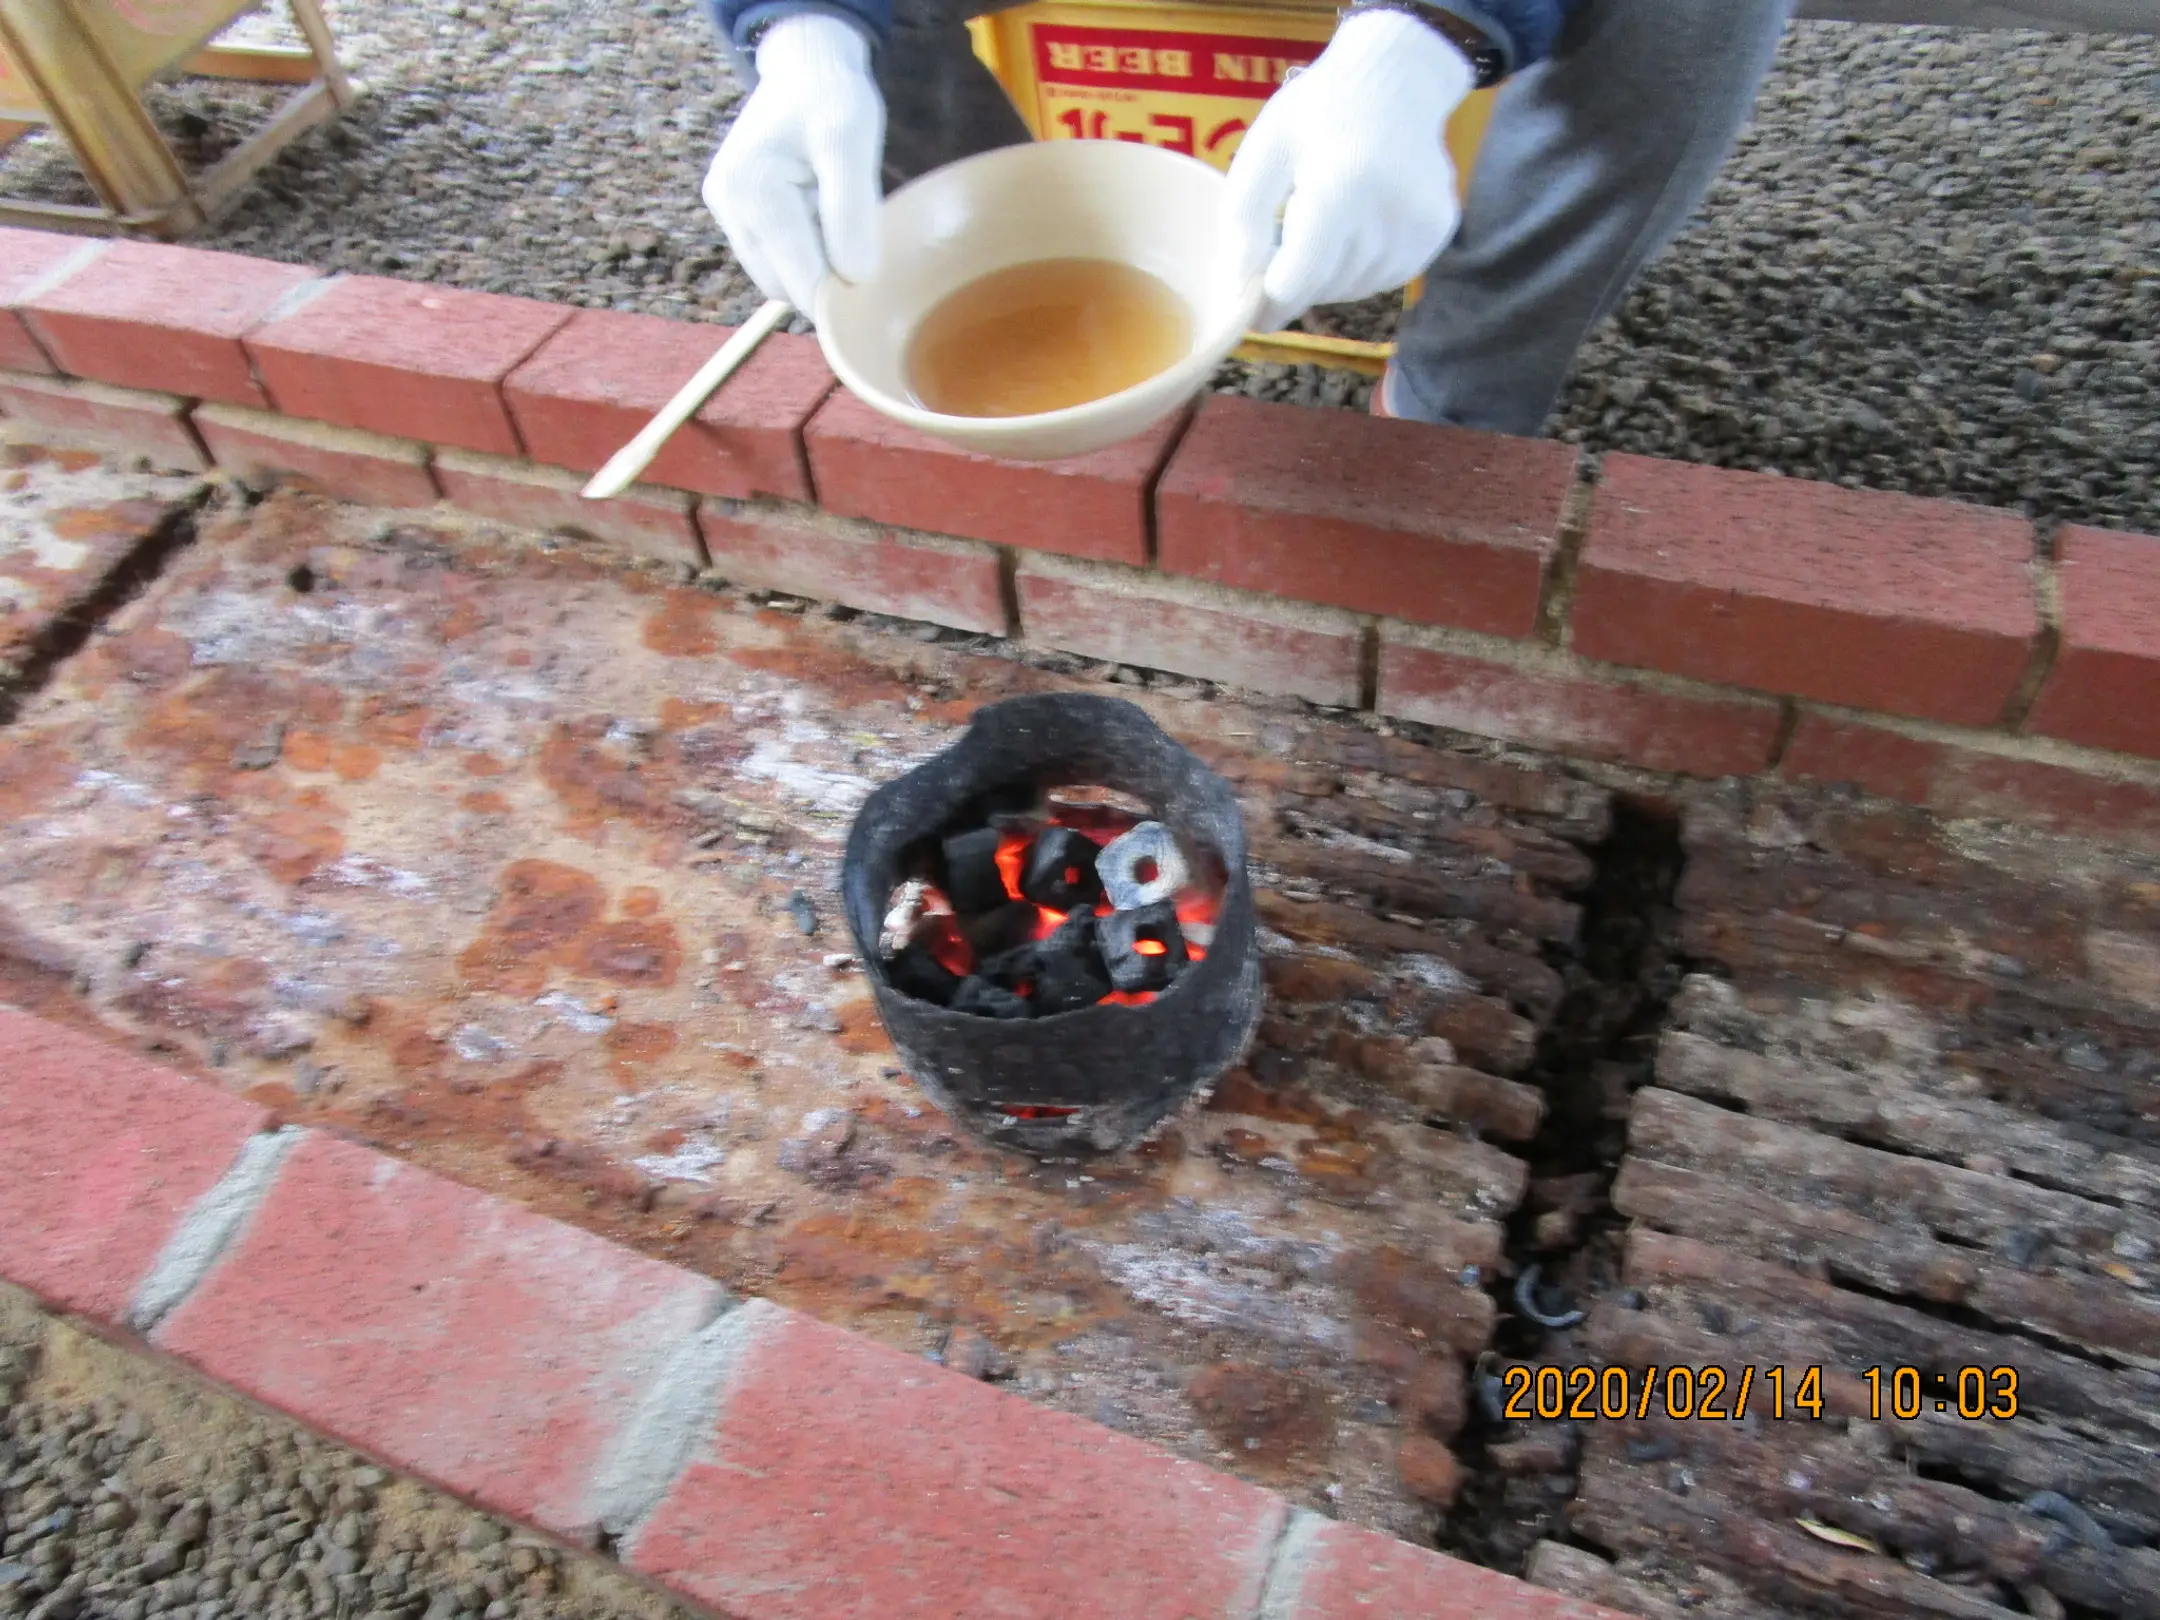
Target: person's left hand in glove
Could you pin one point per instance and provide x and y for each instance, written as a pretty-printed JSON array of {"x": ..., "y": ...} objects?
[{"x": 1352, "y": 153}]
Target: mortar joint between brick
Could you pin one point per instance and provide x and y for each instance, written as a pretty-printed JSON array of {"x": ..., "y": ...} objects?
[
  {"x": 1788, "y": 724},
  {"x": 195, "y": 434},
  {"x": 675, "y": 1419},
  {"x": 501, "y": 385},
  {"x": 64, "y": 269},
  {"x": 696, "y": 509},
  {"x": 1289, "y": 1558},
  {"x": 1009, "y": 591},
  {"x": 2046, "y": 647},
  {"x": 291, "y": 301},
  {"x": 1573, "y": 533},
  {"x": 1150, "y": 541},
  {"x": 1369, "y": 665},
  {"x": 210, "y": 1226},
  {"x": 801, "y": 437}
]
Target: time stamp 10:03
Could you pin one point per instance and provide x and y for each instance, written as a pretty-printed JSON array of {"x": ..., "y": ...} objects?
[{"x": 1731, "y": 1394}]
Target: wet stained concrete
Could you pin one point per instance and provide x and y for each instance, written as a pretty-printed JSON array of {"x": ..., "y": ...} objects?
[
  {"x": 70, "y": 527},
  {"x": 483, "y": 852}
]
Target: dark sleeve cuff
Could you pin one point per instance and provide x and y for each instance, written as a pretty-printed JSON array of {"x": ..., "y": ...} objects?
[
  {"x": 1503, "y": 38},
  {"x": 739, "y": 22},
  {"x": 743, "y": 23},
  {"x": 1524, "y": 32}
]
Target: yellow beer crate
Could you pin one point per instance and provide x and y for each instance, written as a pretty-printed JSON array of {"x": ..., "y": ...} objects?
[{"x": 1188, "y": 77}]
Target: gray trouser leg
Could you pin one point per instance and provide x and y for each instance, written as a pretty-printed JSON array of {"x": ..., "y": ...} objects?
[
  {"x": 941, "y": 103},
  {"x": 1593, "y": 162}
]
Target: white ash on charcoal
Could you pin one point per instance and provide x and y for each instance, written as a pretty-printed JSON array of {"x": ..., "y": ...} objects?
[{"x": 1080, "y": 898}]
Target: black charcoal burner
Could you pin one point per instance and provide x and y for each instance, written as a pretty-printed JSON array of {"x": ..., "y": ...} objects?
[{"x": 1096, "y": 1079}]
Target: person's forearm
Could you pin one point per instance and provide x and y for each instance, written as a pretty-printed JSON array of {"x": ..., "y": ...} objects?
[{"x": 736, "y": 18}]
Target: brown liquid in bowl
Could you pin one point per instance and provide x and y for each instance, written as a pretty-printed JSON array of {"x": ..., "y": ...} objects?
[{"x": 1045, "y": 336}]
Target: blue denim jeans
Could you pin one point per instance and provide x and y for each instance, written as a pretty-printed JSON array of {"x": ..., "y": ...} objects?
[{"x": 1594, "y": 161}]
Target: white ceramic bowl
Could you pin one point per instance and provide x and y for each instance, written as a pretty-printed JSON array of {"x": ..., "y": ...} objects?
[{"x": 1153, "y": 209}]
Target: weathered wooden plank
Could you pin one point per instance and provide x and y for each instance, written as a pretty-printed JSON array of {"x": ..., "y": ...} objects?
[
  {"x": 1581, "y": 811},
  {"x": 1811, "y": 1237},
  {"x": 1527, "y": 982},
  {"x": 1784, "y": 1472},
  {"x": 1885, "y": 1105},
  {"x": 1575, "y": 1572},
  {"x": 1627, "y": 1513},
  {"x": 1435, "y": 1088},
  {"x": 2118, "y": 1484},
  {"x": 1815, "y": 1320},
  {"x": 2072, "y": 1069},
  {"x": 1802, "y": 1466},
  {"x": 1339, "y": 1148},
  {"x": 2007, "y": 1217},
  {"x": 1807, "y": 1239},
  {"x": 1486, "y": 1178},
  {"x": 1407, "y": 820},
  {"x": 1406, "y": 884}
]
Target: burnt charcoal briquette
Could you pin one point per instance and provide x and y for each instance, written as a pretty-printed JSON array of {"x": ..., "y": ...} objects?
[
  {"x": 985, "y": 1000},
  {"x": 1007, "y": 928},
  {"x": 917, "y": 973},
  {"x": 1068, "y": 969},
  {"x": 1070, "y": 982},
  {"x": 1010, "y": 969},
  {"x": 1060, "y": 870},
  {"x": 972, "y": 880},
  {"x": 1123, "y": 934},
  {"x": 1023, "y": 964}
]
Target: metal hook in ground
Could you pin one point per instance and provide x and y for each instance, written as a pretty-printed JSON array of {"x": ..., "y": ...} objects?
[{"x": 1526, "y": 1302}]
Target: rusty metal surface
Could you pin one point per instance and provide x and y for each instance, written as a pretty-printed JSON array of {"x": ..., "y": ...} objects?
[
  {"x": 69, "y": 523},
  {"x": 1908, "y": 1116},
  {"x": 484, "y": 853}
]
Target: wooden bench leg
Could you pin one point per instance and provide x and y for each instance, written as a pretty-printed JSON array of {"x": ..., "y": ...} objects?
[{"x": 117, "y": 147}]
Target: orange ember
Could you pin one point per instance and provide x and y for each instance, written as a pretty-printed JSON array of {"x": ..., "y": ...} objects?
[
  {"x": 948, "y": 949},
  {"x": 1196, "y": 910},
  {"x": 1011, "y": 855},
  {"x": 1035, "y": 1111}
]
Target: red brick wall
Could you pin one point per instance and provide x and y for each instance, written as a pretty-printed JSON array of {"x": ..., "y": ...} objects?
[{"x": 1674, "y": 617}]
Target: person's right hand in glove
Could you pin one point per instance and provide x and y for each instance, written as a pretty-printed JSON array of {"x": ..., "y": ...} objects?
[{"x": 796, "y": 183}]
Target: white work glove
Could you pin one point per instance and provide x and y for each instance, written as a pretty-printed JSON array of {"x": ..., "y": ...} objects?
[
  {"x": 796, "y": 183},
  {"x": 1356, "y": 146}
]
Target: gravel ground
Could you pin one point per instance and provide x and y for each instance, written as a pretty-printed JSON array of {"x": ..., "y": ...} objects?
[
  {"x": 128, "y": 1491},
  {"x": 1934, "y": 265}
]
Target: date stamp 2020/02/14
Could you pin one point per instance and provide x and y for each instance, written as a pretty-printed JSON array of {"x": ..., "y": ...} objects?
[{"x": 1715, "y": 1393}]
